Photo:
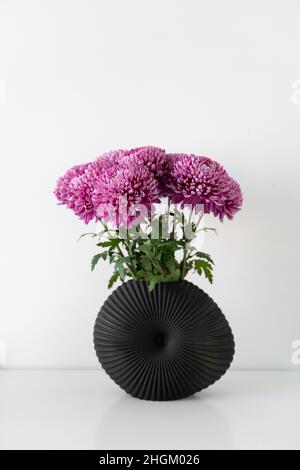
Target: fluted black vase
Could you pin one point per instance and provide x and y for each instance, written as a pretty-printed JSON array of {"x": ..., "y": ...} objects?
[{"x": 165, "y": 344}]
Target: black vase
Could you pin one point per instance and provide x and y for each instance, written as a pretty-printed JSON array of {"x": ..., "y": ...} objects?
[{"x": 165, "y": 344}]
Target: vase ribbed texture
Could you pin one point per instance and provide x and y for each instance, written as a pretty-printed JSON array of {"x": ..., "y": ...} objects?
[{"x": 162, "y": 345}]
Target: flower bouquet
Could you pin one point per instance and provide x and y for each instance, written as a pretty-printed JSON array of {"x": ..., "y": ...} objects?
[{"x": 157, "y": 335}]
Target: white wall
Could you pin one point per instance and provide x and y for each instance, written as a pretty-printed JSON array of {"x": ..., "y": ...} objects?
[{"x": 209, "y": 77}]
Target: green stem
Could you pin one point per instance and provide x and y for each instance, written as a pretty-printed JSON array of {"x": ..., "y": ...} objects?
[
  {"x": 126, "y": 264},
  {"x": 184, "y": 250},
  {"x": 157, "y": 266},
  {"x": 198, "y": 223},
  {"x": 183, "y": 261}
]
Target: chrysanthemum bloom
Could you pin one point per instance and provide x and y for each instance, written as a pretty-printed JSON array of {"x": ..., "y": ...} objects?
[
  {"x": 75, "y": 188},
  {"x": 108, "y": 160},
  {"x": 62, "y": 186},
  {"x": 144, "y": 175},
  {"x": 133, "y": 183},
  {"x": 154, "y": 159},
  {"x": 200, "y": 180},
  {"x": 80, "y": 197}
]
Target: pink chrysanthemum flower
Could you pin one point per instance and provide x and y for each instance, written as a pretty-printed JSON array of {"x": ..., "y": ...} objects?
[
  {"x": 153, "y": 158},
  {"x": 133, "y": 183},
  {"x": 80, "y": 197},
  {"x": 108, "y": 160},
  {"x": 62, "y": 186},
  {"x": 143, "y": 175},
  {"x": 75, "y": 188},
  {"x": 200, "y": 180}
]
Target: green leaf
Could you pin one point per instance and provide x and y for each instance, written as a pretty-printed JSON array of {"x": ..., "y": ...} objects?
[
  {"x": 200, "y": 254},
  {"x": 112, "y": 256},
  {"x": 203, "y": 266},
  {"x": 142, "y": 275},
  {"x": 115, "y": 242},
  {"x": 146, "y": 247},
  {"x": 113, "y": 279},
  {"x": 181, "y": 243},
  {"x": 208, "y": 273},
  {"x": 121, "y": 266},
  {"x": 146, "y": 263},
  {"x": 169, "y": 245},
  {"x": 133, "y": 262},
  {"x": 152, "y": 282},
  {"x": 104, "y": 244},
  {"x": 110, "y": 243},
  {"x": 175, "y": 276},
  {"x": 170, "y": 262},
  {"x": 96, "y": 258}
]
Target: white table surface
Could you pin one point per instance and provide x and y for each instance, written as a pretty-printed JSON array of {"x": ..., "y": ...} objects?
[{"x": 86, "y": 410}]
